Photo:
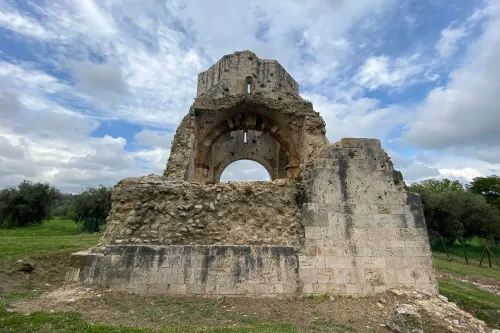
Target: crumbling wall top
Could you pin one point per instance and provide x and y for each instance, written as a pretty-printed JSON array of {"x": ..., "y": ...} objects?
[{"x": 244, "y": 72}]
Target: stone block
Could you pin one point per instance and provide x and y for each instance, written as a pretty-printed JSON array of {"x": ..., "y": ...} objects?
[
  {"x": 307, "y": 289},
  {"x": 227, "y": 289},
  {"x": 325, "y": 275},
  {"x": 195, "y": 289},
  {"x": 307, "y": 261},
  {"x": 360, "y": 143},
  {"x": 371, "y": 262},
  {"x": 275, "y": 288},
  {"x": 337, "y": 262},
  {"x": 242, "y": 289},
  {"x": 344, "y": 276},
  {"x": 308, "y": 275},
  {"x": 353, "y": 289}
]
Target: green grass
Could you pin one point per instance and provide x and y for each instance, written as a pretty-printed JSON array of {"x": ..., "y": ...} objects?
[
  {"x": 54, "y": 227},
  {"x": 473, "y": 247},
  {"x": 457, "y": 266},
  {"x": 51, "y": 237},
  {"x": 73, "y": 322},
  {"x": 484, "y": 305}
]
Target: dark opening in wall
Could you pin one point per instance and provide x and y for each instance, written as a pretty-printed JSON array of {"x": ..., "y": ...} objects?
[{"x": 249, "y": 84}]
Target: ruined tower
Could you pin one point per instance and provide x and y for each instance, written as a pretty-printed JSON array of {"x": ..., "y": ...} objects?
[{"x": 335, "y": 219}]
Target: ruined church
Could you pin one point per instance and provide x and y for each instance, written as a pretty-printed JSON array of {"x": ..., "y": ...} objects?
[{"x": 336, "y": 218}]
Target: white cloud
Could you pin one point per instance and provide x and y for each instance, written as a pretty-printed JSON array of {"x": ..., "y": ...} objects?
[
  {"x": 154, "y": 138},
  {"x": 98, "y": 79},
  {"x": 447, "y": 44},
  {"x": 354, "y": 116},
  {"x": 22, "y": 24},
  {"x": 382, "y": 71},
  {"x": 465, "y": 173},
  {"x": 463, "y": 115},
  {"x": 137, "y": 61},
  {"x": 9, "y": 105}
]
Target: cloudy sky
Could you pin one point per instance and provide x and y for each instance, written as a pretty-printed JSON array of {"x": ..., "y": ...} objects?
[{"x": 91, "y": 91}]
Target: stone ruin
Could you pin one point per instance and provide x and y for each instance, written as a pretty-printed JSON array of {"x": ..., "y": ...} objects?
[{"x": 335, "y": 219}]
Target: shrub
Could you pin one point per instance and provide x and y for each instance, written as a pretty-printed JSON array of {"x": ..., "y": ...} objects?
[{"x": 29, "y": 203}]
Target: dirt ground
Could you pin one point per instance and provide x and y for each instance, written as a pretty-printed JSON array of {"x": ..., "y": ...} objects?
[{"x": 97, "y": 305}]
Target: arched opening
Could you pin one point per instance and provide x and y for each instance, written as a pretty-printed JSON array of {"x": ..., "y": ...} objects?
[
  {"x": 244, "y": 135},
  {"x": 245, "y": 170},
  {"x": 249, "y": 84}
]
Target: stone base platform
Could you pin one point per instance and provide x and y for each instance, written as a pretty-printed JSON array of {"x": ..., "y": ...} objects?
[{"x": 259, "y": 271}]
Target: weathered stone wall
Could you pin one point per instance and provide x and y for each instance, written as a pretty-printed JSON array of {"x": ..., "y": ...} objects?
[
  {"x": 343, "y": 209},
  {"x": 181, "y": 159},
  {"x": 232, "y": 74},
  {"x": 152, "y": 210},
  {"x": 190, "y": 270},
  {"x": 364, "y": 232},
  {"x": 223, "y": 106}
]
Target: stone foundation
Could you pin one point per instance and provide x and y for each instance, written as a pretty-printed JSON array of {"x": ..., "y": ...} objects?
[{"x": 258, "y": 271}]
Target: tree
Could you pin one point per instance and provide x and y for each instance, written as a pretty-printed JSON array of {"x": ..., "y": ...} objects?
[
  {"x": 93, "y": 203},
  {"x": 441, "y": 215},
  {"x": 29, "y": 203},
  {"x": 64, "y": 206},
  {"x": 489, "y": 187},
  {"x": 455, "y": 214},
  {"x": 438, "y": 186}
]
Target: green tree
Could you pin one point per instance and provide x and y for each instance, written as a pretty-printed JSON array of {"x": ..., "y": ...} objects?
[
  {"x": 64, "y": 206},
  {"x": 437, "y": 186},
  {"x": 93, "y": 203},
  {"x": 489, "y": 187},
  {"x": 29, "y": 203},
  {"x": 452, "y": 212}
]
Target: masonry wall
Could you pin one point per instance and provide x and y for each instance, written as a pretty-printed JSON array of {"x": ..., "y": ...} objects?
[
  {"x": 152, "y": 210},
  {"x": 259, "y": 271},
  {"x": 364, "y": 232},
  {"x": 232, "y": 74}
]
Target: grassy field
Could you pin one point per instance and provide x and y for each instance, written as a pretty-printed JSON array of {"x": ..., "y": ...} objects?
[
  {"x": 49, "y": 238},
  {"x": 484, "y": 305},
  {"x": 481, "y": 303},
  {"x": 473, "y": 247}
]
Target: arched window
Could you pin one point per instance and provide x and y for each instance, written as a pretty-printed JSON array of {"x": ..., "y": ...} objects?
[
  {"x": 249, "y": 84},
  {"x": 245, "y": 170}
]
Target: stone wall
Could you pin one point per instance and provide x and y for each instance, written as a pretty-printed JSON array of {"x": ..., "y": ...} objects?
[
  {"x": 190, "y": 270},
  {"x": 343, "y": 209},
  {"x": 232, "y": 74},
  {"x": 152, "y": 210},
  {"x": 364, "y": 232}
]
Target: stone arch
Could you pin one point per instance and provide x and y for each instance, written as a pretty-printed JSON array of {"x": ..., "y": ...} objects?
[
  {"x": 263, "y": 162},
  {"x": 268, "y": 143}
]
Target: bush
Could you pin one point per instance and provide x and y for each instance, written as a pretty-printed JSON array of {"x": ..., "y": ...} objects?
[
  {"x": 29, "y": 203},
  {"x": 452, "y": 212},
  {"x": 93, "y": 203}
]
